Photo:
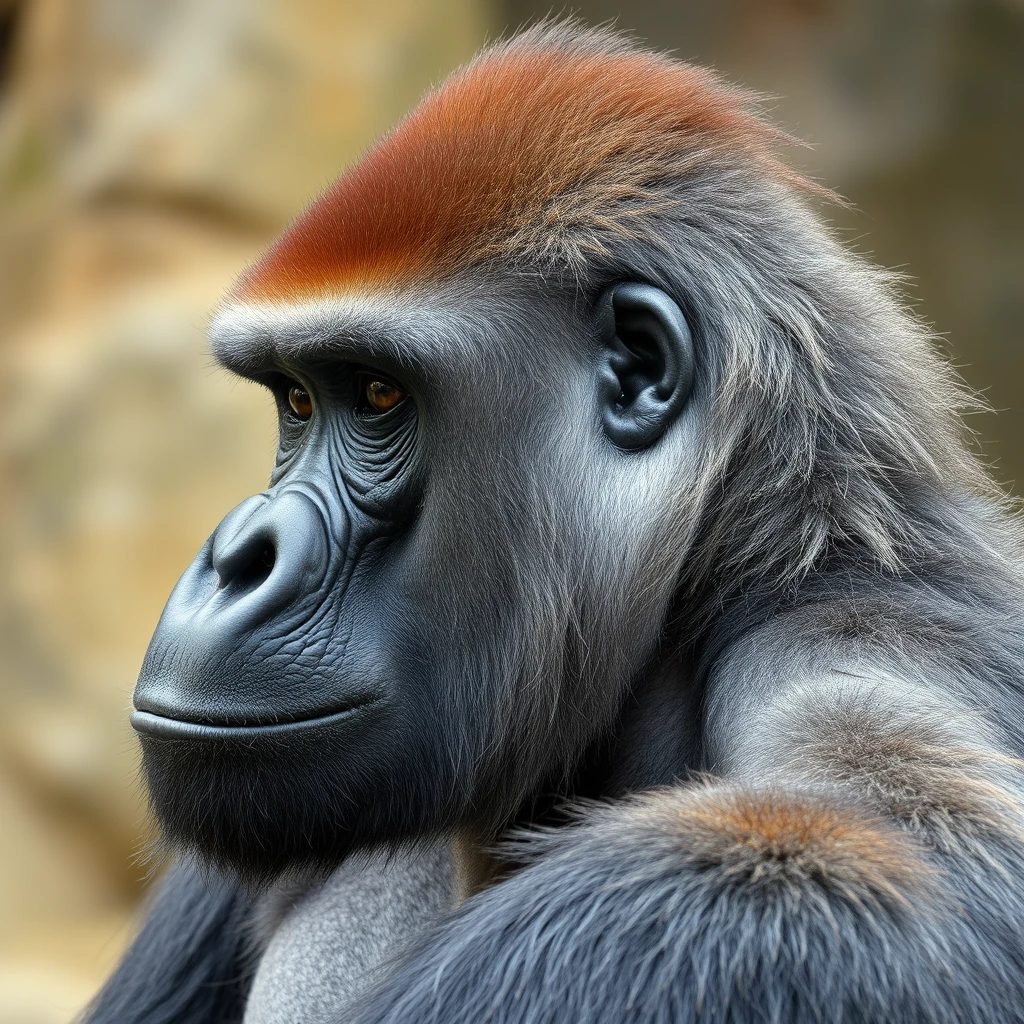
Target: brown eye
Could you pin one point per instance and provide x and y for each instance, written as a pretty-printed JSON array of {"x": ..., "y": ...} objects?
[
  {"x": 300, "y": 401},
  {"x": 382, "y": 396}
]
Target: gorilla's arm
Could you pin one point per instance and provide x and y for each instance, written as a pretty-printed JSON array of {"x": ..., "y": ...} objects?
[
  {"x": 188, "y": 962},
  {"x": 859, "y": 862},
  {"x": 715, "y": 905}
]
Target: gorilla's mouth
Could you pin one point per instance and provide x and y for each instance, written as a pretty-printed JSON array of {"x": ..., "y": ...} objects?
[{"x": 165, "y": 727}]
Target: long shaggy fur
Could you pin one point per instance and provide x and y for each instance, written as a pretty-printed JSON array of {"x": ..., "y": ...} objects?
[
  {"x": 719, "y": 905},
  {"x": 190, "y": 962}
]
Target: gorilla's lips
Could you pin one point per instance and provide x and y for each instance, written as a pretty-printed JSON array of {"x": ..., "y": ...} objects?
[{"x": 166, "y": 727}]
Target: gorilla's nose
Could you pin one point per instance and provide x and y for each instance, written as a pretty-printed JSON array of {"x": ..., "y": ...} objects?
[
  {"x": 268, "y": 553},
  {"x": 263, "y": 570}
]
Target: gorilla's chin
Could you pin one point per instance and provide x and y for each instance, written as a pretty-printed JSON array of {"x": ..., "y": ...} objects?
[{"x": 259, "y": 805}]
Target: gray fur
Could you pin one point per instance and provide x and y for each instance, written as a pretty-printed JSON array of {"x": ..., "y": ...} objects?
[
  {"x": 329, "y": 944},
  {"x": 848, "y": 582}
]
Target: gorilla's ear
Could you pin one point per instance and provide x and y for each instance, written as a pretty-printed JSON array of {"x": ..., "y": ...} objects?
[{"x": 646, "y": 372}]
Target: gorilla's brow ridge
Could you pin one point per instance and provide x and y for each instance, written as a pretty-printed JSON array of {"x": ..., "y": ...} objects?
[{"x": 249, "y": 339}]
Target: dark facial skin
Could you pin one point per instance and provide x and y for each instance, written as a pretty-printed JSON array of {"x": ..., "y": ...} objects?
[
  {"x": 379, "y": 644},
  {"x": 273, "y": 666}
]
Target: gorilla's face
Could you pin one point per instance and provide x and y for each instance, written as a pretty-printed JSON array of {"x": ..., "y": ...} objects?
[{"x": 442, "y": 594}]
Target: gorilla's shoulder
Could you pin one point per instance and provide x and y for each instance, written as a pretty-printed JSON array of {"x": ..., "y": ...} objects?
[{"x": 709, "y": 903}]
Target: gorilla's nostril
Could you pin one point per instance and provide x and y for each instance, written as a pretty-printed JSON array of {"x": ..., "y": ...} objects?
[
  {"x": 250, "y": 572},
  {"x": 267, "y": 556},
  {"x": 263, "y": 563}
]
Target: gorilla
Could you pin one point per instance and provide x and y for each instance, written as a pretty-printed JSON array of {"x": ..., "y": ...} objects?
[{"x": 627, "y": 632}]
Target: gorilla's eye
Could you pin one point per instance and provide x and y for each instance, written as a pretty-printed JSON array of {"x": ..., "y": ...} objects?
[
  {"x": 300, "y": 401},
  {"x": 378, "y": 395}
]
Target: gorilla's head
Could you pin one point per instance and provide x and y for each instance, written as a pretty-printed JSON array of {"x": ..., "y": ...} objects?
[{"x": 564, "y": 370}]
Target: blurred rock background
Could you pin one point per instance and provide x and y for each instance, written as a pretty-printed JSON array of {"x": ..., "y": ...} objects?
[{"x": 148, "y": 148}]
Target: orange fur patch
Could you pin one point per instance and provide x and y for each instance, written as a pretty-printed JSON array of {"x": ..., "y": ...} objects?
[
  {"x": 788, "y": 836},
  {"x": 555, "y": 135}
]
